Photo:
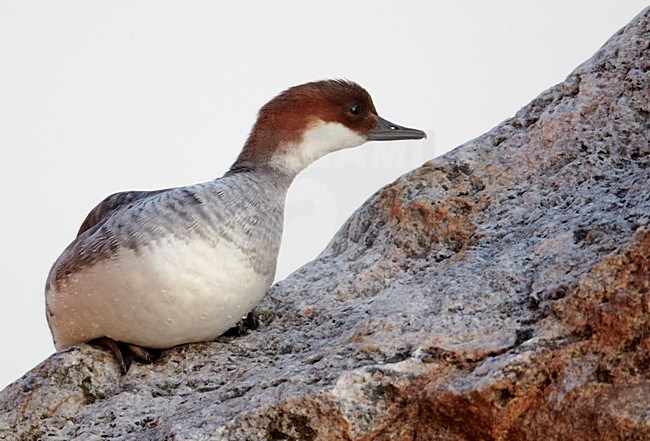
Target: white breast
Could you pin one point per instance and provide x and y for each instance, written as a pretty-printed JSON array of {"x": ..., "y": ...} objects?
[{"x": 170, "y": 293}]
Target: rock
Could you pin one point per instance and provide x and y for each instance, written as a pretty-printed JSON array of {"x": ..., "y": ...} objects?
[{"x": 498, "y": 292}]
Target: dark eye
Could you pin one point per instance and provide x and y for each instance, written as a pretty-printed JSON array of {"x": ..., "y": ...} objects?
[{"x": 354, "y": 108}]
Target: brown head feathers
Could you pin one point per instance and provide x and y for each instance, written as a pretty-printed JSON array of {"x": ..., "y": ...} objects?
[{"x": 285, "y": 118}]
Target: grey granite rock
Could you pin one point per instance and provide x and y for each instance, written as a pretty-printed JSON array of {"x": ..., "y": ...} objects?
[{"x": 498, "y": 292}]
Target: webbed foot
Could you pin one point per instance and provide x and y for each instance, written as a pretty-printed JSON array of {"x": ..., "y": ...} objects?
[{"x": 125, "y": 353}]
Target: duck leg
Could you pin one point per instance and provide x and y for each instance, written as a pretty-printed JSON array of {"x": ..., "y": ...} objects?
[{"x": 250, "y": 323}]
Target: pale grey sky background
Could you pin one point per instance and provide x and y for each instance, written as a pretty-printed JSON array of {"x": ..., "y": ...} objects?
[{"x": 104, "y": 96}]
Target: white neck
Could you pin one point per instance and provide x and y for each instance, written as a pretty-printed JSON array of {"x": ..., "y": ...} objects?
[{"x": 318, "y": 140}]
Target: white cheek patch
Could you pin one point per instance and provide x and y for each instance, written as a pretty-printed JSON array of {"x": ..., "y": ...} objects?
[{"x": 318, "y": 140}]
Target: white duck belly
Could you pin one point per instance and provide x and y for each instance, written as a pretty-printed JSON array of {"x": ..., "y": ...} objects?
[{"x": 169, "y": 293}]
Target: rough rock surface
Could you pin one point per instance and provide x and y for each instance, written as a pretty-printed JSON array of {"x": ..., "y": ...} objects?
[{"x": 498, "y": 292}]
